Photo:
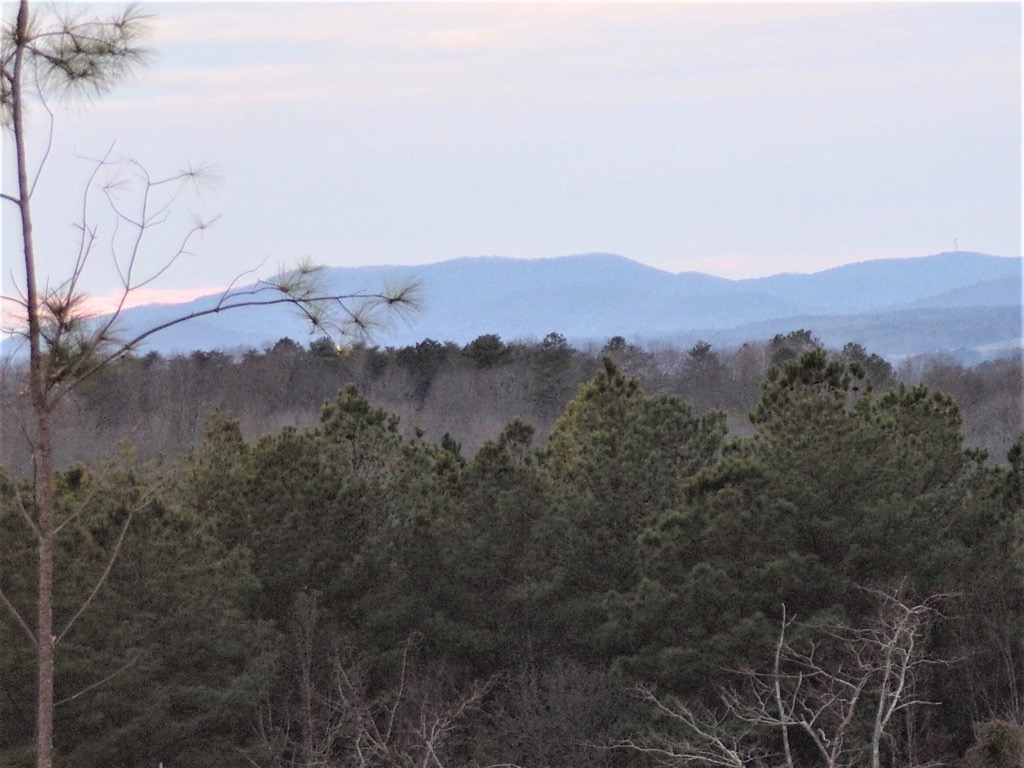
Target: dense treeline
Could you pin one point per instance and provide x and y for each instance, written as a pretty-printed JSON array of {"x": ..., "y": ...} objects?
[
  {"x": 355, "y": 594},
  {"x": 470, "y": 392}
]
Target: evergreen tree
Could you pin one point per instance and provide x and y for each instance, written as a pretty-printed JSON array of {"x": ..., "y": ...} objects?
[
  {"x": 488, "y": 615},
  {"x": 615, "y": 460},
  {"x": 160, "y": 661},
  {"x": 837, "y": 488}
]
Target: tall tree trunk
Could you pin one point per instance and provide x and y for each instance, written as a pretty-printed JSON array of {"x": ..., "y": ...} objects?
[
  {"x": 42, "y": 437},
  {"x": 114, "y": 44},
  {"x": 44, "y": 633}
]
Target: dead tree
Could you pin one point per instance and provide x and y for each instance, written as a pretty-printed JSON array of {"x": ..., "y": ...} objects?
[
  {"x": 413, "y": 723},
  {"x": 842, "y": 692}
]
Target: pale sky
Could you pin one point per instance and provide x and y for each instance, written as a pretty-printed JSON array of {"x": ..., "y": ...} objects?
[{"x": 735, "y": 139}]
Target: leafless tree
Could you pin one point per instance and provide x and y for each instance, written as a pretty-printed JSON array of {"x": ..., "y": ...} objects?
[
  {"x": 843, "y": 693},
  {"x": 558, "y": 716},
  {"x": 413, "y": 723},
  {"x": 694, "y": 735}
]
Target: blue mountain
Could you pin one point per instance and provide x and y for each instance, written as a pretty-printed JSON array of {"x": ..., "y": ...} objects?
[{"x": 958, "y": 303}]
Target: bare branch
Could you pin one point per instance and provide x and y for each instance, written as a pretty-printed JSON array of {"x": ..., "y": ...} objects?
[
  {"x": 19, "y": 620},
  {"x": 25, "y": 513},
  {"x": 119, "y": 671},
  {"x": 49, "y": 137},
  {"x": 88, "y": 238},
  {"x": 709, "y": 742},
  {"x": 115, "y": 552},
  {"x": 819, "y": 693},
  {"x": 74, "y": 515},
  {"x": 236, "y": 300},
  {"x": 14, "y": 300}
]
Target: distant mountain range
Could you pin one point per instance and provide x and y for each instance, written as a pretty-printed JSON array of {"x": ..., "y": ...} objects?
[{"x": 964, "y": 304}]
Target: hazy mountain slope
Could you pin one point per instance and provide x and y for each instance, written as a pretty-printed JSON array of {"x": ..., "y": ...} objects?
[
  {"x": 987, "y": 294},
  {"x": 949, "y": 301},
  {"x": 970, "y": 333},
  {"x": 891, "y": 283}
]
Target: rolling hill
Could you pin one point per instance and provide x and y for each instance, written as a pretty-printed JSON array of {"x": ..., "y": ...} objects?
[{"x": 964, "y": 304}]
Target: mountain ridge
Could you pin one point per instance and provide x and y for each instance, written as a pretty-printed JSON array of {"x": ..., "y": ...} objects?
[{"x": 591, "y": 297}]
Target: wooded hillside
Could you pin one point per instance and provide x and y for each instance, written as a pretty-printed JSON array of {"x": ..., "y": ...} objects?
[
  {"x": 161, "y": 404},
  {"x": 634, "y": 578}
]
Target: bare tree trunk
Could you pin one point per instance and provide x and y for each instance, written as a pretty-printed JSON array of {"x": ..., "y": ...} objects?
[
  {"x": 42, "y": 439},
  {"x": 45, "y": 638},
  {"x": 777, "y": 685},
  {"x": 879, "y": 725},
  {"x": 97, "y": 53}
]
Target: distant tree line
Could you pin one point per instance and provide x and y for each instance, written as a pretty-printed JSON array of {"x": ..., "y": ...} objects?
[
  {"x": 839, "y": 585},
  {"x": 470, "y": 392}
]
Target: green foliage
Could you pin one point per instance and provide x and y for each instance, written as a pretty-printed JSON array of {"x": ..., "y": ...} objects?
[
  {"x": 635, "y": 544},
  {"x": 324, "y": 347},
  {"x": 615, "y": 460},
  {"x": 877, "y": 372},
  {"x": 166, "y": 401},
  {"x": 990, "y": 632},
  {"x": 554, "y": 378},
  {"x": 423, "y": 361},
  {"x": 312, "y": 501},
  {"x": 486, "y": 612},
  {"x": 784, "y": 348},
  {"x": 486, "y": 351},
  {"x": 163, "y": 663},
  {"x": 220, "y": 475},
  {"x": 630, "y": 358},
  {"x": 17, "y": 659},
  {"x": 703, "y": 376},
  {"x": 836, "y": 488}
]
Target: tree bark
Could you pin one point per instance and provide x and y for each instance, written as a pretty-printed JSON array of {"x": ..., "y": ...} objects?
[
  {"x": 47, "y": 381},
  {"x": 42, "y": 439},
  {"x": 44, "y": 632}
]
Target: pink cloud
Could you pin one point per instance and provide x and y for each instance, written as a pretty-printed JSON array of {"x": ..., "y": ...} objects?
[{"x": 143, "y": 296}]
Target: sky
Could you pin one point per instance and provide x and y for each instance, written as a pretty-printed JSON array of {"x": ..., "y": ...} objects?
[{"x": 735, "y": 139}]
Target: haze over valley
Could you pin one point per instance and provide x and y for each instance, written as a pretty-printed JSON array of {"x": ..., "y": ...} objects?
[{"x": 963, "y": 304}]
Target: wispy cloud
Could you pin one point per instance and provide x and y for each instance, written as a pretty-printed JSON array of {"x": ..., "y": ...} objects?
[
  {"x": 520, "y": 58},
  {"x": 656, "y": 129},
  {"x": 99, "y": 305}
]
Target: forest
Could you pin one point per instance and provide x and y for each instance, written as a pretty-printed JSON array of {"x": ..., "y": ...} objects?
[
  {"x": 161, "y": 404},
  {"x": 497, "y": 555},
  {"x": 526, "y": 554}
]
